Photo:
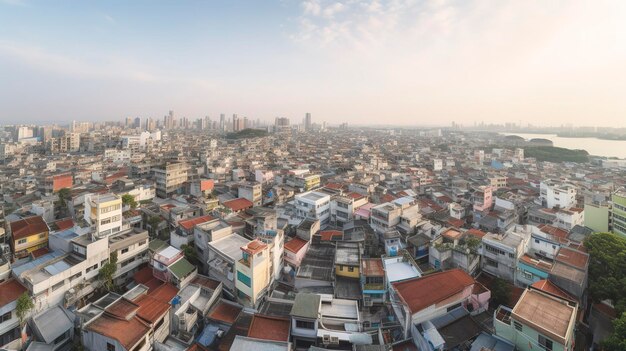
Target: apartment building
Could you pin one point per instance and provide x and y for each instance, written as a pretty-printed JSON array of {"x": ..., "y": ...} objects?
[
  {"x": 170, "y": 178},
  {"x": 618, "y": 212},
  {"x": 313, "y": 205},
  {"x": 254, "y": 273},
  {"x": 553, "y": 194},
  {"x": 373, "y": 282},
  {"x": 66, "y": 274},
  {"x": 500, "y": 253},
  {"x": 251, "y": 191},
  {"x": 205, "y": 233},
  {"x": 223, "y": 254},
  {"x": 385, "y": 217},
  {"x": 104, "y": 214}
]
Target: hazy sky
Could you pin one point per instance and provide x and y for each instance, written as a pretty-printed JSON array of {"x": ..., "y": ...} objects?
[{"x": 396, "y": 61}]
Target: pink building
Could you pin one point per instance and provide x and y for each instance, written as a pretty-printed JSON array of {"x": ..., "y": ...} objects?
[
  {"x": 482, "y": 198},
  {"x": 295, "y": 250}
]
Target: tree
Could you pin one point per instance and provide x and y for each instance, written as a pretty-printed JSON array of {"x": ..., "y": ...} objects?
[
  {"x": 500, "y": 292},
  {"x": 607, "y": 269},
  {"x": 128, "y": 199},
  {"x": 107, "y": 271},
  {"x": 61, "y": 206},
  {"x": 24, "y": 305},
  {"x": 617, "y": 340},
  {"x": 153, "y": 223},
  {"x": 190, "y": 253}
]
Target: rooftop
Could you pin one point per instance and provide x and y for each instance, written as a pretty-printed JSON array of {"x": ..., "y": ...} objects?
[
  {"x": 306, "y": 305},
  {"x": 428, "y": 290},
  {"x": 27, "y": 227},
  {"x": 546, "y": 314},
  {"x": 10, "y": 290},
  {"x": 269, "y": 328}
]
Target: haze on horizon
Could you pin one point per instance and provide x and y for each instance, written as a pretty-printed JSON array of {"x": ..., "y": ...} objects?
[{"x": 402, "y": 62}]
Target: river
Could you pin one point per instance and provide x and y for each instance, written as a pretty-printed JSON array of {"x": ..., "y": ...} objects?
[{"x": 597, "y": 147}]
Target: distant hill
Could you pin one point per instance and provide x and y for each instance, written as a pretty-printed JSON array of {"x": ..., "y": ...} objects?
[
  {"x": 247, "y": 134},
  {"x": 556, "y": 154}
]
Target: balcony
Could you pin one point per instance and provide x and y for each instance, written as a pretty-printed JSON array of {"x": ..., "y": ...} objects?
[{"x": 373, "y": 286}]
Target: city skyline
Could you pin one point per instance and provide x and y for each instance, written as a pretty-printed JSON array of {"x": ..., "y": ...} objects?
[{"x": 402, "y": 62}]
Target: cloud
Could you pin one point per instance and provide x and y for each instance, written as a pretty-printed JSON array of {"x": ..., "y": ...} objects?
[
  {"x": 14, "y": 2},
  {"x": 109, "y": 18},
  {"x": 103, "y": 68}
]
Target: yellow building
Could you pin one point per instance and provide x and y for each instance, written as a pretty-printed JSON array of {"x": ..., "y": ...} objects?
[
  {"x": 28, "y": 235},
  {"x": 348, "y": 260},
  {"x": 254, "y": 273}
]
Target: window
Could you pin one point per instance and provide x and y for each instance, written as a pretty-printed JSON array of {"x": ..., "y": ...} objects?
[
  {"x": 528, "y": 275},
  {"x": 22, "y": 241},
  {"x": 494, "y": 250},
  {"x": 350, "y": 269},
  {"x": 5, "y": 317},
  {"x": 62, "y": 337},
  {"x": 305, "y": 324},
  {"x": 517, "y": 325},
  {"x": 89, "y": 269},
  {"x": 244, "y": 279},
  {"x": 545, "y": 342},
  {"x": 110, "y": 347},
  {"x": 143, "y": 242},
  {"x": 76, "y": 276},
  {"x": 125, "y": 250},
  {"x": 453, "y": 307},
  {"x": 490, "y": 262},
  {"x": 42, "y": 235},
  {"x": 58, "y": 285}
]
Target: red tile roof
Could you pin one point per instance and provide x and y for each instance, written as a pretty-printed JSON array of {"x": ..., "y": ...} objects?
[
  {"x": 165, "y": 292},
  {"x": 420, "y": 293},
  {"x": 206, "y": 282},
  {"x": 10, "y": 290},
  {"x": 188, "y": 224},
  {"x": 269, "y": 328},
  {"x": 144, "y": 276},
  {"x": 27, "y": 227},
  {"x": 150, "y": 309},
  {"x": 572, "y": 257},
  {"x": 40, "y": 252},
  {"x": 294, "y": 245},
  {"x": 328, "y": 235},
  {"x": 372, "y": 267},
  {"x": 475, "y": 232},
  {"x": 63, "y": 224},
  {"x": 122, "y": 308},
  {"x": 238, "y": 204},
  {"x": 551, "y": 288},
  {"x": 225, "y": 312},
  {"x": 127, "y": 332},
  {"x": 254, "y": 247}
]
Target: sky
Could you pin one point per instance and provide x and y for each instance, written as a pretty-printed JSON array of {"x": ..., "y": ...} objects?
[{"x": 401, "y": 62}]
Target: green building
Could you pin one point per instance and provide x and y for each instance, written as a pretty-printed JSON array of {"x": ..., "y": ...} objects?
[
  {"x": 597, "y": 217},
  {"x": 618, "y": 212},
  {"x": 539, "y": 321}
]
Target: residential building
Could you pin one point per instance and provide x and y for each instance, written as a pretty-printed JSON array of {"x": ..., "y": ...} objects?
[
  {"x": 170, "y": 178},
  {"x": 313, "y": 205},
  {"x": 54, "y": 328},
  {"x": 423, "y": 299},
  {"x": 10, "y": 291},
  {"x": 254, "y": 273},
  {"x": 223, "y": 253},
  {"x": 618, "y": 212},
  {"x": 539, "y": 321},
  {"x": 553, "y": 194},
  {"x": 251, "y": 191},
  {"x": 373, "y": 281},
  {"x": 500, "y": 253},
  {"x": 28, "y": 235},
  {"x": 385, "y": 217},
  {"x": 104, "y": 214},
  {"x": 597, "y": 216}
]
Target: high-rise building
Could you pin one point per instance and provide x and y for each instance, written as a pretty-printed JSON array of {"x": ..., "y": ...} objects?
[
  {"x": 137, "y": 122},
  {"x": 170, "y": 178},
  {"x": 307, "y": 121},
  {"x": 222, "y": 123},
  {"x": 618, "y": 212}
]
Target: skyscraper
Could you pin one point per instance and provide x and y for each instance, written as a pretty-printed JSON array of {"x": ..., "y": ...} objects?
[
  {"x": 307, "y": 121},
  {"x": 222, "y": 123}
]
